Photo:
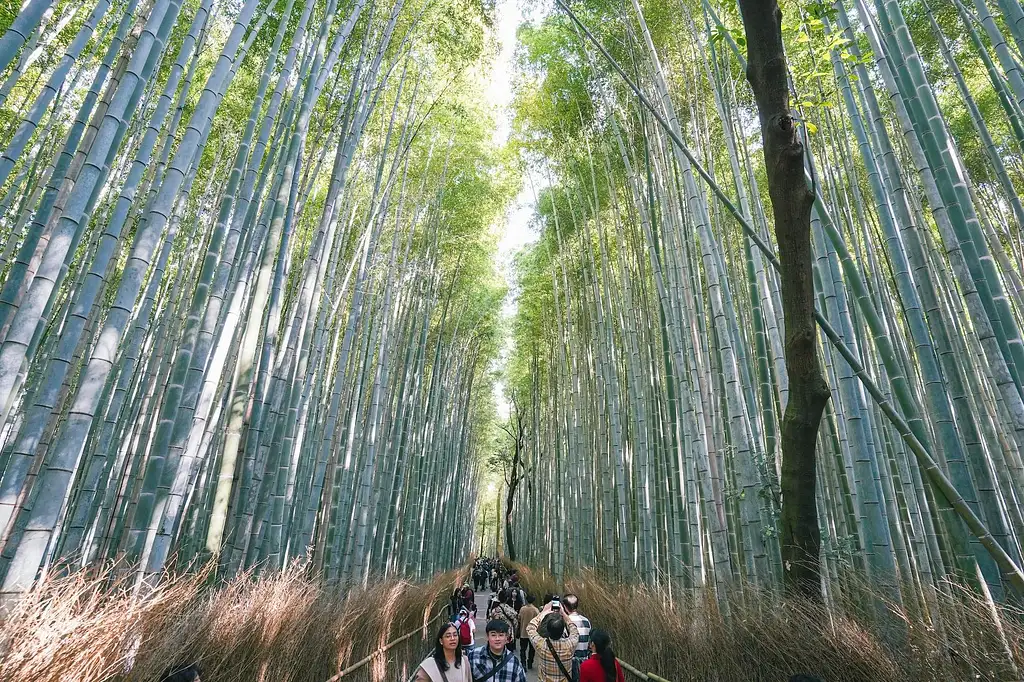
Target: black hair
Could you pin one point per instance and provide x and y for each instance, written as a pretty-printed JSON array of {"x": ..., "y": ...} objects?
[
  {"x": 554, "y": 626},
  {"x": 497, "y": 625},
  {"x": 530, "y": 598},
  {"x": 547, "y": 598},
  {"x": 570, "y": 602},
  {"x": 438, "y": 653},
  {"x": 178, "y": 673},
  {"x": 602, "y": 642}
]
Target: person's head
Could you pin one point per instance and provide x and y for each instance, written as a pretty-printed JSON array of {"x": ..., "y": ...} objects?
[
  {"x": 531, "y": 599},
  {"x": 447, "y": 641},
  {"x": 182, "y": 673},
  {"x": 547, "y": 598},
  {"x": 553, "y": 626},
  {"x": 601, "y": 644},
  {"x": 570, "y": 602},
  {"x": 497, "y": 635}
]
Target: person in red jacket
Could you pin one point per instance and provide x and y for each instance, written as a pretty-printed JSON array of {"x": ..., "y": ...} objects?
[{"x": 601, "y": 666}]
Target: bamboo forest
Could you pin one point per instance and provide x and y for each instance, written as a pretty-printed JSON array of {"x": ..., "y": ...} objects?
[{"x": 705, "y": 309}]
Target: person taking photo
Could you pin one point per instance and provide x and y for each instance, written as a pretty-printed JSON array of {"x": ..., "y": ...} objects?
[{"x": 555, "y": 643}]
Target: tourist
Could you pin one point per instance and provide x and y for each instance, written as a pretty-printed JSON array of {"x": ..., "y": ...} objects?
[
  {"x": 455, "y": 602},
  {"x": 503, "y": 611},
  {"x": 571, "y": 605},
  {"x": 556, "y": 645},
  {"x": 468, "y": 597},
  {"x": 518, "y": 593},
  {"x": 601, "y": 666},
  {"x": 447, "y": 662},
  {"x": 467, "y": 627},
  {"x": 188, "y": 673},
  {"x": 493, "y": 660},
  {"x": 526, "y": 614},
  {"x": 478, "y": 578}
]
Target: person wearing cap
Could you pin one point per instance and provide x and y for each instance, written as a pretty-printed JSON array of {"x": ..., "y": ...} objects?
[{"x": 467, "y": 627}]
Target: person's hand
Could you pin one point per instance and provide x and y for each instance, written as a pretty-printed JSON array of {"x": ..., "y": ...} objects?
[{"x": 546, "y": 609}]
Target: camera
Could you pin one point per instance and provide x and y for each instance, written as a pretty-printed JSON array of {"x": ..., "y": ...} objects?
[{"x": 556, "y": 603}]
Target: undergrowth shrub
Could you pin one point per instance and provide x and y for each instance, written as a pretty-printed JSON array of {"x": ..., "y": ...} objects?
[
  {"x": 758, "y": 636},
  {"x": 281, "y": 628}
]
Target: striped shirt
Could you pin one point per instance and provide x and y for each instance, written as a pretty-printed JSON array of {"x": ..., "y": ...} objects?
[{"x": 583, "y": 625}]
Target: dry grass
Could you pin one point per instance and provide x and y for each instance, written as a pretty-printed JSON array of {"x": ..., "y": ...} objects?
[
  {"x": 285, "y": 628},
  {"x": 767, "y": 639},
  {"x": 288, "y": 628}
]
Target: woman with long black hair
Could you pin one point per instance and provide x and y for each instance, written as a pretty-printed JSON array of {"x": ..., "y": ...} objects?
[
  {"x": 601, "y": 666},
  {"x": 446, "y": 663}
]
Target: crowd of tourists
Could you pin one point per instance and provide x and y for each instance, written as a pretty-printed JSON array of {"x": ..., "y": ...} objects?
[
  {"x": 556, "y": 636},
  {"x": 519, "y": 634}
]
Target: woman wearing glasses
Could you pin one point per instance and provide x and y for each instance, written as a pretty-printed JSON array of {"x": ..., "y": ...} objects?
[{"x": 446, "y": 663}]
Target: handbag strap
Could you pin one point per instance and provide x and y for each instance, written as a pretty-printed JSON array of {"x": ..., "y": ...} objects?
[{"x": 561, "y": 666}]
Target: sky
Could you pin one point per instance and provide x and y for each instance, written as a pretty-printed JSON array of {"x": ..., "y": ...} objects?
[{"x": 516, "y": 231}]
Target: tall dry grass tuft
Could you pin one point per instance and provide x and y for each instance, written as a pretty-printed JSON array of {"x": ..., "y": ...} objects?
[
  {"x": 764, "y": 638},
  {"x": 281, "y": 628}
]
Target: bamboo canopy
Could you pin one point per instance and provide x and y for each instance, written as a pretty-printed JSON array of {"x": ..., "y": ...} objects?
[
  {"x": 650, "y": 331},
  {"x": 247, "y": 300}
]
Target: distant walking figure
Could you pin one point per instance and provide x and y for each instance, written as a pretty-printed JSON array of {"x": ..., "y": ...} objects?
[
  {"x": 527, "y": 614},
  {"x": 467, "y": 627},
  {"x": 455, "y": 602},
  {"x": 446, "y": 663}
]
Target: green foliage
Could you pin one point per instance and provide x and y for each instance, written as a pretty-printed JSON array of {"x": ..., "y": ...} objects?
[{"x": 8, "y": 10}]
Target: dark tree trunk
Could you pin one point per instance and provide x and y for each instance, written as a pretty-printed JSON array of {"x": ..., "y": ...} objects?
[
  {"x": 791, "y": 205},
  {"x": 513, "y": 486},
  {"x": 516, "y": 430},
  {"x": 509, "y": 544}
]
